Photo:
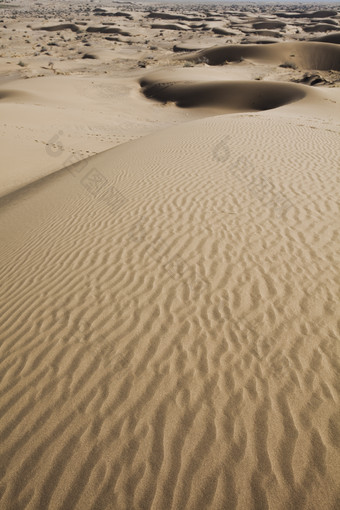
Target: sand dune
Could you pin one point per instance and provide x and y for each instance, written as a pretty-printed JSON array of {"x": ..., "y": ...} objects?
[
  {"x": 268, "y": 33},
  {"x": 187, "y": 47},
  {"x": 330, "y": 21},
  {"x": 15, "y": 95},
  {"x": 171, "y": 16},
  {"x": 308, "y": 55},
  {"x": 169, "y": 334},
  {"x": 319, "y": 27},
  {"x": 102, "y": 12},
  {"x": 61, "y": 26},
  {"x": 169, "y": 26},
  {"x": 258, "y": 39},
  {"x": 168, "y": 330},
  {"x": 107, "y": 30},
  {"x": 320, "y": 14},
  {"x": 330, "y": 38},
  {"x": 223, "y": 31},
  {"x": 301, "y": 13},
  {"x": 50, "y": 118},
  {"x": 232, "y": 96},
  {"x": 269, "y": 25}
]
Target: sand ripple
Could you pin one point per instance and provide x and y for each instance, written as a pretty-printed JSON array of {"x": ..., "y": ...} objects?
[{"x": 170, "y": 324}]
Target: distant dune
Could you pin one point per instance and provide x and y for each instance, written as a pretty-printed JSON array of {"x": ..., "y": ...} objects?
[
  {"x": 308, "y": 55},
  {"x": 269, "y": 25},
  {"x": 169, "y": 26},
  {"x": 329, "y": 38},
  {"x": 61, "y": 26},
  {"x": 319, "y": 27}
]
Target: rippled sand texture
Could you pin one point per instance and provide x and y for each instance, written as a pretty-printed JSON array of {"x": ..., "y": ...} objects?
[
  {"x": 169, "y": 318},
  {"x": 170, "y": 326}
]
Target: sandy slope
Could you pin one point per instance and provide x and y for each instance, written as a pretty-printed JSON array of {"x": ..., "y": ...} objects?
[
  {"x": 229, "y": 95},
  {"x": 50, "y": 122},
  {"x": 309, "y": 55},
  {"x": 169, "y": 334},
  {"x": 170, "y": 323}
]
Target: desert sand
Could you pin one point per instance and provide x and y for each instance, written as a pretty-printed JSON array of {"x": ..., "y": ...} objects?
[{"x": 169, "y": 222}]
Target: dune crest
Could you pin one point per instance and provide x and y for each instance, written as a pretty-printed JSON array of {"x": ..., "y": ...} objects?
[{"x": 309, "y": 55}]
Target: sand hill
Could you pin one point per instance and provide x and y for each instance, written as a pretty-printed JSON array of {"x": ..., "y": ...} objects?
[{"x": 169, "y": 258}]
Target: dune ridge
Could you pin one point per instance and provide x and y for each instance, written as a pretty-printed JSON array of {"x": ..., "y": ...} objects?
[
  {"x": 309, "y": 55},
  {"x": 62, "y": 26},
  {"x": 330, "y": 38},
  {"x": 319, "y": 27}
]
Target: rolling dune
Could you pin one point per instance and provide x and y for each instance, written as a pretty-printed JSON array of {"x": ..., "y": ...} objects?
[
  {"x": 169, "y": 26},
  {"x": 308, "y": 55},
  {"x": 223, "y": 31},
  {"x": 187, "y": 47},
  {"x": 232, "y": 96},
  {"x": 173, "y": 16},
  {"x": 169, "y": 257},
  {"x": 319, "y": 27},
  {"x": 320, "y": 14},
  {"x": 118, "y": 14},
  {"x": 329, "y": 38},
  {"x": 107, "y": 30},
  {"x": 170, "y": 342},
  {"x": 258, "y": 39},
  {"x": 15, "y": 95},
  {"x": 62, "y": 26},
  {"x": 268, "y": 33},
  {"x": 269, "y": 25}
]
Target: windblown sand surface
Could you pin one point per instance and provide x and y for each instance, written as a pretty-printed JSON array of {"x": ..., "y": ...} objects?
[{"x": 169, "y": 272}]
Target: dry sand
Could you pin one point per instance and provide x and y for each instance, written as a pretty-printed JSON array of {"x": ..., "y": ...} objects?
[{"x": 169, "y": 257}]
